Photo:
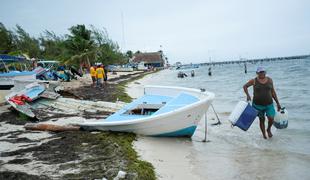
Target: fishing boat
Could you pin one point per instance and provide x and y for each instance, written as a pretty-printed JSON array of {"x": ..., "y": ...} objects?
[
  {"x": 19, "y": 100},
  {"x": 14, "y": 68},
  {"x": 161, "y": 111}
]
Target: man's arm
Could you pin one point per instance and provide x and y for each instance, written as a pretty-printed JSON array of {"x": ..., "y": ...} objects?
[
  {"x": 245, "y": 89},
  {"x": 274, "y": 96}
]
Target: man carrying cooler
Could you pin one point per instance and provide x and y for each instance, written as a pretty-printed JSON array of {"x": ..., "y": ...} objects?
[{"x": 263, "y": 93}]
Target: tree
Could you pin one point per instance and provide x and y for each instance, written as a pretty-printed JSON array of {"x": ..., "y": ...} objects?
[
  {"x": 80, "y": 45},
  {"x": 52, "y": 46},
  {"x": 6, "y": 40},
  {"x": 108, "y": 52},
  {"x": 25, "y": 43},
  {"x": 129, "y": 54}
]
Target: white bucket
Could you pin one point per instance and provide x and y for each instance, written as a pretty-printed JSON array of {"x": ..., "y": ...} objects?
[{"x": 281, "y": 119}]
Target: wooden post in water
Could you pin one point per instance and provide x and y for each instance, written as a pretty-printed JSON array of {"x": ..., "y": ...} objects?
[{"x": 206, "y": 128}]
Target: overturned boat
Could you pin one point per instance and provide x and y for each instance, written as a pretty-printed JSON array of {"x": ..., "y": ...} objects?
[
  {"x": 22, "y": 100},
  {"x": 161, "y": 111},
  {"x": 39, "y": 100}
]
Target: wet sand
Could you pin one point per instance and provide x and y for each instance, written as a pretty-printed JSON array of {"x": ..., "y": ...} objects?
[
  {"x": 170, "y": 156},
  {"x": 230, "y": 153}
]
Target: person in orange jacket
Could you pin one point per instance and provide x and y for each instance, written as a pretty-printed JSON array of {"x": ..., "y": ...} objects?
[
  {"x": 93, "y": 75},
  {"x": 100, "y": 76}
]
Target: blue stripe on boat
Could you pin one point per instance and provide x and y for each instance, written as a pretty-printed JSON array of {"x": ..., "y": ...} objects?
[
  {"x": 186, "y": 132},
  {"x": 16, "y": 73}
]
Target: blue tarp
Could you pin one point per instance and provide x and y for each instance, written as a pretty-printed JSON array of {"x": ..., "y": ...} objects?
[{"x": 8, "y": 58}]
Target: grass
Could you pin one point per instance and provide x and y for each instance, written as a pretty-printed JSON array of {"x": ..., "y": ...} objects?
[
  {"x": 23, "y": 117},
  {"x": 113, "y": 152}
]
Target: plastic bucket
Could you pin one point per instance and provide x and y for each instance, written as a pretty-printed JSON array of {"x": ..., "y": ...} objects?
[{"x": 281, "y": 119}]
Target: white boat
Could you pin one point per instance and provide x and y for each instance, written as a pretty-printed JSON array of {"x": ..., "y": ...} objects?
[
  {"x": 7, "y": 80},
  {"x": 19, "y": 100},
  {"x": 9, "y": 72},
  {"x": 161, "y": 111}
]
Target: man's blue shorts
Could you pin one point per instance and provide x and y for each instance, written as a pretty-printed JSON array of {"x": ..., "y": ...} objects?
[{"x": 262, "y": 110}]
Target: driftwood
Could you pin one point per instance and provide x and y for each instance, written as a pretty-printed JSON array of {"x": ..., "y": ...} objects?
[{"x": 50, "y": 127}]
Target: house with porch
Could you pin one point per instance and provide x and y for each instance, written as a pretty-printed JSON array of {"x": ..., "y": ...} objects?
[{"x": 150, "y": 59}]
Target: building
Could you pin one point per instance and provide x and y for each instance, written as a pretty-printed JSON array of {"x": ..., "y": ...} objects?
[{"x": 150, "y": 59}]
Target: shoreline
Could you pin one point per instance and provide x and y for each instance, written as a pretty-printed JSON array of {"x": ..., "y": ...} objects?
[{"x": 169, "y": 156}]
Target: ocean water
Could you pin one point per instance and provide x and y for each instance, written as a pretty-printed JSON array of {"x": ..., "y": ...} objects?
[{"x": 234, "y": 154}]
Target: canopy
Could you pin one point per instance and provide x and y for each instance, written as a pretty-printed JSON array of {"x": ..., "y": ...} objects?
[{"x": 9, "y": 58}]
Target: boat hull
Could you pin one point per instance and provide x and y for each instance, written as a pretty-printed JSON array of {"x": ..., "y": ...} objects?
[{"x": 179, "y": 122}]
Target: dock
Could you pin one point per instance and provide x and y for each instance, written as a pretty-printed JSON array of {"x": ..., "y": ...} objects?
[{"x": 254, "y": 61}]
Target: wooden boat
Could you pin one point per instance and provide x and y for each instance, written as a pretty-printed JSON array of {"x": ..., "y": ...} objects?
[
  {"x": 161, "y": 111},
  {"x": 40, "y": 101},
  {"x": 14, "y": 68},
  {"x": 19, "y": 100}
]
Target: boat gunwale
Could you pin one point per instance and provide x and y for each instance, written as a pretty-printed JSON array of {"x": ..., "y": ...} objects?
[{"x": 208, "y": 96}]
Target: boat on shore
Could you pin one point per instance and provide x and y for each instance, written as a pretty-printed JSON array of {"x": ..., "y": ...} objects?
[
  {"x": 19, "y": 100},
  {"x": 14, "y": 68},
  {"x": 161, "y": 111}
]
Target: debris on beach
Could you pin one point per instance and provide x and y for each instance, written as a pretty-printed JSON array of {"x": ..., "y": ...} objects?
[
  {"x": 36, "y": 101},
  {"x": 60, "y": 152},
  {"x": 50, "y": 127}
]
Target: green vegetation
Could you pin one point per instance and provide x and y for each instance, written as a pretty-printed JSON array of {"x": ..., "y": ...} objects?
[
  {"x": 107, "y": 153},
  {"x": 23, "y": 117},
  {"x": 82, "y": 46}
]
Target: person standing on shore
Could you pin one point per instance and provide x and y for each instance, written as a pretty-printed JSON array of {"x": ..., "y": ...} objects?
[
  {"x": 93, "y": 75},
  {"x": 100, "y": 76},
  {"x": 263, "y": 95},
  {"x": 105, "y": 74}
]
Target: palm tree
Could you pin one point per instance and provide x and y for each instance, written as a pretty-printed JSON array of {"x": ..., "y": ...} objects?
[{"x": 80, "y": 45}]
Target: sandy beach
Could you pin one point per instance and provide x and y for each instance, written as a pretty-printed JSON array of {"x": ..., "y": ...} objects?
[
  {"x": 27, "y": 154},
  {"x": 169, "y": 156}
]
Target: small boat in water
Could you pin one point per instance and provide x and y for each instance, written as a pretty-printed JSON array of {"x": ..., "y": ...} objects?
[
  {"x": 161, "y": 111},
  {"x": 187, "y": 66}
]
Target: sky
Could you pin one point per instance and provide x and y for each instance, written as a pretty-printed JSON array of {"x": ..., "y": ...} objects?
[{"x": 189, "y": 31}]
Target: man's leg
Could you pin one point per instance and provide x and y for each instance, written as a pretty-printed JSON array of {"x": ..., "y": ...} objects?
[
  {"x": 100, "y": 82},
  {"x": 270, "y": 112},
  {"x": 270, "y": 122},
  {"x": 262, "y": 126}
]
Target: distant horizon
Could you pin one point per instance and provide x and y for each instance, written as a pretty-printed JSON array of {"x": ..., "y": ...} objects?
[{"x": 185, "y": 31}]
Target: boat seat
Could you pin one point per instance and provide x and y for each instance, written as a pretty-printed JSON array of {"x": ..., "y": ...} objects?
[
  {"x": 181, "y": 100},
  {"x": 150, "y": 99}
]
